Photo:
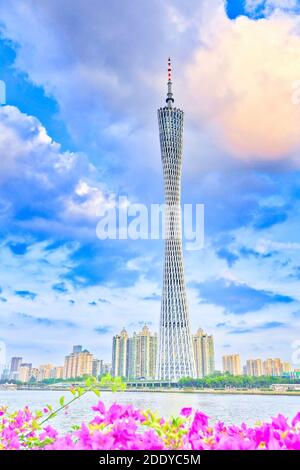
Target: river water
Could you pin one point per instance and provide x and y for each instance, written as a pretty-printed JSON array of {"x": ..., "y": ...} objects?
[{"x": 229, "y": 408}]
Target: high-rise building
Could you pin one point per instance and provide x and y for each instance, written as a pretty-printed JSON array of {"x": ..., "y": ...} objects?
[
  {"x": 275, "y": 367},
  {"x": 14, "y": 367},
  {"x": 34, "y": 374},
  {"x": 77, "y": 348},
  {"x": 97, "y": 367},
  {"x": 25, "y": 372},
  {"x": 132, "y": 356},
  {"x": 57, "y": 372},
  {"x": 270, "y": 367},
  {"x": 71, "y": 366},
  {"x": 78, "y": 364},
  {"x": 152, "y": 359},
  {"x": 119, "y": 354},
  {"x": 146, "y": 354},
  {"x": 204, "y": 353},
  {"x": 5, "y": 372},
  {"x": 135, "y": 356},
  {"x": 107, "y": 368},
  {"x": 44, "y": 372},
  {"x": 142, "y": 353},
  {"x": 254, "y": 367},
  {"x": 85, "y": 363},
  {"x": 286, "y": 367},
  {"x": 176, "y": 355},
  {"x": 232, "y": 364}
]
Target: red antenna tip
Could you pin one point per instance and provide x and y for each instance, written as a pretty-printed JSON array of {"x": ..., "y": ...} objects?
[{"x": 169, "y": 69}]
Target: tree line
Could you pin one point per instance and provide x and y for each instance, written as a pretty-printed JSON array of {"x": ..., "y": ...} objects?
[{"x": 234, "y": 381}]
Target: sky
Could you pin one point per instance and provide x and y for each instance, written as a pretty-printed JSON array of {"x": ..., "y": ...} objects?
[{"x": 79, "y": 129}]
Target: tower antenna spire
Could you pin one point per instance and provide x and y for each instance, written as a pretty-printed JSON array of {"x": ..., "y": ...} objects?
[{"x": 170, "y": 98}]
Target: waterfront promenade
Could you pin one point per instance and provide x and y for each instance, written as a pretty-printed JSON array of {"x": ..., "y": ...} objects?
[{"x": 204, "y": 391}]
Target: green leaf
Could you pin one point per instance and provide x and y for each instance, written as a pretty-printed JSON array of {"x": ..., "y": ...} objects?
[
  {"x": 75, "y": 427},
  {"x": 62, "y": 401},
  {"x": 88, "y": 382}
]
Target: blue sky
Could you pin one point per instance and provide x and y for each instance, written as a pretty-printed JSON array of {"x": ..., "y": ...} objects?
[{"x": 80, "y": 128}]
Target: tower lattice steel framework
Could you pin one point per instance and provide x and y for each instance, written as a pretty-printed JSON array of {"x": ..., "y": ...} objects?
[{"x": 175, "y": 355}]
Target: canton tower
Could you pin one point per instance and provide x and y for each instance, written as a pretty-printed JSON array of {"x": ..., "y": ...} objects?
[{"x": 175, "y": 355}]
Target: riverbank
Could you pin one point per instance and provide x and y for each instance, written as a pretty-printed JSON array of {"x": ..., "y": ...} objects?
[
  {"x": 204, "y": 391},
  {"x": 223, "y": 392}
]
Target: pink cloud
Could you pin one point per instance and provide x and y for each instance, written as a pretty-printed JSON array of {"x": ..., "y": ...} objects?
[{"x": 240, "y": 85}]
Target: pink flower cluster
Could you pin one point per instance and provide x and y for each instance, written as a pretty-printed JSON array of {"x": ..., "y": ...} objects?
[{"x": 126, "y": 428}]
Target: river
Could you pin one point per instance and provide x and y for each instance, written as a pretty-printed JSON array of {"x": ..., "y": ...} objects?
[{"x": 233, "y": 409}]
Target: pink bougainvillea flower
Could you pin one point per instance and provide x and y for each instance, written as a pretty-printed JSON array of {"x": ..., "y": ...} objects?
[
  {"x": 50, "y": 432},
  {"x": 186, "y": 411},
  {"x": 200, "y": 420},
  {"x": 280, "y": 422},
  {"x": 99, "y": 407},
  {"x": 296, "y": 419},
  {"x": 124, "y": 427}
]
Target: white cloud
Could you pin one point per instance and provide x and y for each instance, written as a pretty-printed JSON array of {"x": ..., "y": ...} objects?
[
  {"x": 37, "y": 175},
  {"x": 268, "y": 6},
  {"x": 235, "y": 77},
  {"x": 107, "y": 83},
  {"x": 88, "y": 201},
  {"x": 26, "y": 325}
]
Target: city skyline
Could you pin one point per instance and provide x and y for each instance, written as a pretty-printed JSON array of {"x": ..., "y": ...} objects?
[
  {"x": 139, "y": 363},
  {"x": 80, "y": 128},
  {"x": 107, "y": 358},
  {"x": 272, "y": 367}
]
